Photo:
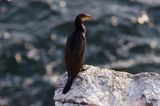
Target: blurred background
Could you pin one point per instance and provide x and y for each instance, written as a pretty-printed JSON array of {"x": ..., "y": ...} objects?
[{"x": 125, "y": 37}]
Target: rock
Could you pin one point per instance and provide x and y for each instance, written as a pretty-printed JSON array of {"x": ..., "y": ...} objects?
[{"x": 103, "y": 87}]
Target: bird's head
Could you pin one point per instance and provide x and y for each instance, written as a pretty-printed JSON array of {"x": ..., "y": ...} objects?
[{"x": 84, "y": 18}]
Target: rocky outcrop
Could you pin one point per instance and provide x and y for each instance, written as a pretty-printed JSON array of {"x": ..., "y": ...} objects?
[{"x": 103, "y": 87}]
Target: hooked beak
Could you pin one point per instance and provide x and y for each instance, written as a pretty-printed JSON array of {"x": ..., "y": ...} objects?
[{"x": 88, "y": 18}]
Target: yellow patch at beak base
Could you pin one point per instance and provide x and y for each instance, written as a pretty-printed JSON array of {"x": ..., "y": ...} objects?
[{"x": 86, "y": 18}]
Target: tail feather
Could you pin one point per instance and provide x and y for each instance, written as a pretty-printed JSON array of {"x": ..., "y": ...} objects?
[{"x": 68, "y": 85}]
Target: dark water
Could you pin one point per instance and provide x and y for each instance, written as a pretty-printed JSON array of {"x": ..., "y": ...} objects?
[{"x": 125, "y": 36}]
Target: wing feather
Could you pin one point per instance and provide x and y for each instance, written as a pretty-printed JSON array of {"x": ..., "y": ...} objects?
[{"x": 74, "y": 54}]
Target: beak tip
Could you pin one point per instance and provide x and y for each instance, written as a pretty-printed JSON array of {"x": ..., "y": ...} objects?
[{"x": 92, "y": 17}]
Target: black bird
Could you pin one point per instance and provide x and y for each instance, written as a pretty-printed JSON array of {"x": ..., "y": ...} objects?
[{"x": 75, "y": 50}]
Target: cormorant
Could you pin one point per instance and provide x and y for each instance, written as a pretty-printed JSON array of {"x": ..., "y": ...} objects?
[{"x": 75, "y": 49}]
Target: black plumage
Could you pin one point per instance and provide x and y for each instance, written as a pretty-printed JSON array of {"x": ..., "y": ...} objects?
[{"x": 75, "y": 50}]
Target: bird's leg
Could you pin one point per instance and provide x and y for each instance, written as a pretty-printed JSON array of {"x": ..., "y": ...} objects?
[
  {"x": 80, "y": 77},
  {"x": 84, "y": 68}
]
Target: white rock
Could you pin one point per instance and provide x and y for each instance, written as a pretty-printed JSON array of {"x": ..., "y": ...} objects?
[{"x": 103, "y": 87}]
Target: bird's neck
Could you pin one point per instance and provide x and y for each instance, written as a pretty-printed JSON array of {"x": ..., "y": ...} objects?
[{"x": 79, "y": 26}]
